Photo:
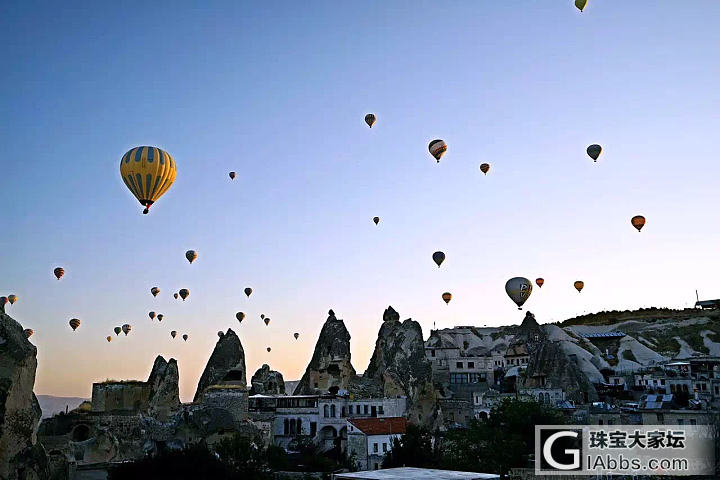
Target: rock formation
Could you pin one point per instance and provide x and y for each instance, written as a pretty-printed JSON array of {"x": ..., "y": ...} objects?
[
  {"x": 226, "y": 364},
  {"x": 330, "y": 364},
  {"x": 21, "y": 456},
  {"x": 550, "y": 367},
  {"x": 267, "y": 382},
  {"x": 164, "y": 389},
  {"x": 399, "y": 365}
]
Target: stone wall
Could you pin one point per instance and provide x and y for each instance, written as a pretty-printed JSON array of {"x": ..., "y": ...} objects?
[{"x": 120, "y": 396}]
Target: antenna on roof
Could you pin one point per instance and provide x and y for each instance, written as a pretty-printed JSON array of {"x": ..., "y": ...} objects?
[{"x": 696, "y": 296}]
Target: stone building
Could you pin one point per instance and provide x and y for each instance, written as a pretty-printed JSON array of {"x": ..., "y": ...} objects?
[{"x": 370, "y": 439}]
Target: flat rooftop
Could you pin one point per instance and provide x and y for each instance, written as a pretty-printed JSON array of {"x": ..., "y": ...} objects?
[{"x": 413, "y": 473}]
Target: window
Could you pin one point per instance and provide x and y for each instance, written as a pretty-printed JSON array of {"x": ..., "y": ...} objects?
[
  {"x": 377, "y": 466},
  {"x": 375, "y": 447},
  {"x": 459, "y": 364},
  {"x": 471, "y": 364},
  {"x": 299, "y": 426},
  {"x": 458, "y": 378},
  {"x": 381, "y": 410},
  {"x": 332, "y": 411},
  {"x": 384, "y": 447},
  {"x": 365, "y": 409},
  {"x": 681, "y": 421},
  {"x": 286, "y": 427},
  {"x": 693, "y": 421},
  {"x": 326, "y": 411},
  {"x": 432, "y": 353},
  {"x": 313, "y": 429},
  {"x": 344, "y": 412}
]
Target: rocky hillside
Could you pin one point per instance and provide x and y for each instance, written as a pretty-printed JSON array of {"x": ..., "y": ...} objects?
[
  {"x": 20, "y": 454},
  {"x": 226, "y": 364}
]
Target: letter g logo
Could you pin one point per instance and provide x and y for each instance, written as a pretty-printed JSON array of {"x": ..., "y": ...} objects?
[{"x": 573, "y": 452}]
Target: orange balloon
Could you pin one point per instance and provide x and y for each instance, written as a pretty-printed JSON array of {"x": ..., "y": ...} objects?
[{"x": 638, "y": 221}]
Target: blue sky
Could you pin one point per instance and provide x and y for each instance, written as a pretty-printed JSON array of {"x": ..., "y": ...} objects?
[{"x": 278, "y": 93}]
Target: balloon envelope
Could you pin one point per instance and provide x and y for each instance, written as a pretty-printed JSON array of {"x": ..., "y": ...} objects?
[
  {"x": 370, "y": 119},
  {"x": 28, "y": 332},
  {"x": 232, "y": 175},
  {"x": 438, "y": 258},
  {"x": 594, "y": 151},
  {"x": 376, "y": 220},
  {"x": 154, "y": 291},
  {"x": 248, "y": 291},
  {"x": 638, "y": 221},
  {"x": 12, "y": 299},
  {"x": 160, "y": 317},
  {"x": 117, "y": 330},
  {"x": 485, "y": 167},
  {"x": 579, "y": 285},
  {"x": 185, "y": 337},
  {"x": 437, "y": 149},
  {"x": 269, "y": 349},
  {"x": 447, "y": 296},
  {"x": 173, "y": 333},
  {"x": 151, "y": 315},
  {"x": 74, "y": 323},
  {"x": 540, "y": 282},
  {"x": 296, "y": 335},
  {"x": 519, "y": 290},
  {"x": 184, "y": 293},
  {"x": 108, "y": 338},
  {"x": 148, "y": 172},
  {"x": 580, "y": 4},
  {"x": 240, "y": 316},
  {"x": 267, "y": 321},
  {"x": 59, "y": 272},
  {"x": 191, "y": 255},
  {"x": 126, "y": 328}
]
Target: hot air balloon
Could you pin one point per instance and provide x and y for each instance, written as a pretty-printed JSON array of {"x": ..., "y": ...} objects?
[
  {"x": 3, "y": 301},
  {"x": 173, "y": 333},
  {"x": 248, "y": 291},
  {"x": 240, "y": 316},
  {"x": 580, "y": 4},
  {"x": 376, "y": 220},
  {"x": 191, "y": 255},
  {"x": 160, "y": 317},
  {"x": 148, "y": 172},
  {"x": 539, "y": 282},
  {"x": 519, "y": 290},
  {"x": 232, "y": 175},
  {"x": 267, "y": 321},
  {"x": 437, "y": 149},
  {"x": 447, "y": 296},
  {"x": 28, "y": 332},
  {"x": 269, "y": 349},
  {"x": 370, "y": 119},
  {"x": 151, "y": 315},
  {"x": 74, "y": 323},
  {"x": 638, "y": 221},
  {"x": 296, "y": 335},
  {"x": 594, "y": 151},
  {"x": 175, "y": 296},
  {"x": 12, "y": 299},
  {"x": 154, "y": 291},
  {"x": 184, "y": 293},
  {"x": 185, "y": 337},
  {"x": 117, "y": 330},
  {"x": 108, "y": 338},
  {"x": 126, "y": 328},
  {"x": 485, "y": 167},
  {"x": 579, "y": 285},
  {"x": 262, "y": 316},
  {"x": 439, "y": 258},
  {"x": 59, "y": 272}
]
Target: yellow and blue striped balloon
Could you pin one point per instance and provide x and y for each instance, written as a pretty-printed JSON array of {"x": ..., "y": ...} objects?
[{"x": 148, "y": 172}]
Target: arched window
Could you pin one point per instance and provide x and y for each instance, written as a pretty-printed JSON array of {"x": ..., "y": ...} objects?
[
  {"x": 332, "y": 410},
  {"x": 326, "y": 410}
]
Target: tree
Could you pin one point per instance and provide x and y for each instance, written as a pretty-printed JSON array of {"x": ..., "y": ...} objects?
[
  {"x": 501, "y": 441},
  {"x": 413, "y": 449}
]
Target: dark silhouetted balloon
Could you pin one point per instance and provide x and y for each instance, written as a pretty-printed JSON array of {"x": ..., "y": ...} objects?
[
  {"x": 638, "y": 221},
  {"x": 232, "y": 175},
  {"x": 74, "y": 323},
  {"x": 376, "y": 220},
  {"x": 173, "y": 333},
  {"x": 191, "y": 255},
  {"x": 579, "y": 285},
  {"x": 594, "y": 151},
  {"x": 438, "y": 258},
  {"x": 126, "y": 328},
  {"x": 437, "y": 149},
  {"x": 447, "y": 296},
  {"x": 540, "y": 282},
  {"x": 519, "y": 290},
  {"x": 59, "y": 272},
  {"x": 185, "y": 337},
  {"x": 370, "y": 119},
  {"x": 117, "y": 330},
  {"x": 184, "y": 293},
  {"x": 12, "y": 299},
  {"x": 248, "y": 291},
  {"x": 485, "y": 167},
  {"x": 296, "y": 335},
  {"x": 154, "y": 291},
  {"x": 151, "y": 315},
  {"x": 240, "y": 316}
]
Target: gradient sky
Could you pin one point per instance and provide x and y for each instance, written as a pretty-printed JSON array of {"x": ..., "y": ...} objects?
[{"x": 277, "y": 91}]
